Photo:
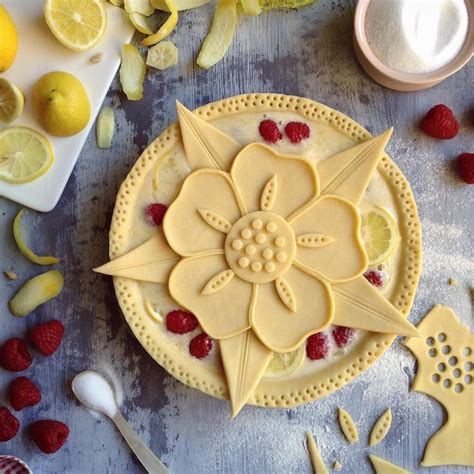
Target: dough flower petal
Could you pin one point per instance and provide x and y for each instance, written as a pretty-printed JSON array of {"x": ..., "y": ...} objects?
[
  {"x": 283, "y": 328},
  {"x": 222, "y": 313},
  {"x": 269, "y": 181},
  {"x": 198, "y": 219},
  {"x": 338, "y": 254}
]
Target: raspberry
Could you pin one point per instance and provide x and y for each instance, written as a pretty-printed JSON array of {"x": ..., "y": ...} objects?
[
  {"x": 14, "y": 355},
  {"x": 23, "y": 393},
  {"x": 317, "y": 346},
  {"x": 440, "y": 122},
  {"x": 465, "y": 164},
  {"x": 49, "y": 435},
  {"x": 9, "y": 425},
  {"x": 200, "y": 346},
  {"x": 47, "y": 337},
  {"x": 181, "y": 322},
  {"x": 376, "y": 278},
  {"x": 297, "y": 131},
  {"x": 155, "y": 213},
  {"x": 342, "y": 335},
  {"x": 269, "y": 131}
]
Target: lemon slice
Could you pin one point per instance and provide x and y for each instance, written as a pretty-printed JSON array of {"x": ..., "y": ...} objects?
[
  {"x": 163, "y": 55},
  {"x": 220, "y": 36},
  {"x": 25, "y": 155},
  {"x": 12, "y": 101},
  {"x": 380, "y": 234},
  {"x": 77, "y": 24},
  {"x": 105, "y": 127},
  {"x": 285, "y": 364}
]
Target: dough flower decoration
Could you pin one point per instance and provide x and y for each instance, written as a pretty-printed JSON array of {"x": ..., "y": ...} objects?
[
  {"x": 264, "y": 249},
  {"x": 261, "y": 248}
]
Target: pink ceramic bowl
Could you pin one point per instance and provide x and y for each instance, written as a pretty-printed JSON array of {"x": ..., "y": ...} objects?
[{"x": 400, "y": 81}]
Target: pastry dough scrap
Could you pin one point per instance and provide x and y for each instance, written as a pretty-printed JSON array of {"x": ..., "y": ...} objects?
[
  {"x": 348, "y": 426},
  {"x": 382, "y": 466},
  {"x": 381, "y": 428},
  {"x": 318, "y": 464}
]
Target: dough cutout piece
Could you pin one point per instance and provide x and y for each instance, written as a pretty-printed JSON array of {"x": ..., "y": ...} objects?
[
  {"x": 382, "y": 466},
  {"x": 348, "y": 426},
  {"x": 445, "y": 354},
  {"x": 337, "y": 466},
  {"x": 318, "y": 464},
  {"x": 381, "y": 427}
]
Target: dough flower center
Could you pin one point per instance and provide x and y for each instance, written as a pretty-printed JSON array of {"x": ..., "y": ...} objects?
[{"x": 260, "y": 247}]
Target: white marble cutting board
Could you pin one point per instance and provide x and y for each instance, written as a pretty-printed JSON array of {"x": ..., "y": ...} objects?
[{"x": 39, "y": 52}]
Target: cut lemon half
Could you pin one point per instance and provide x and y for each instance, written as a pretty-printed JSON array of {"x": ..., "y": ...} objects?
[
  {"x": 25, "y": 155},
  {"x": 380, "y": 234},
  {"x": 12, "y": 101},
  {"x": 77, "y": 24},
  {"x": 285, "y": 364}
]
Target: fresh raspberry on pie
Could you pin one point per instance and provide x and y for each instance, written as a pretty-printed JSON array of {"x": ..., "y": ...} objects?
[
  {"x": 23, "y": 393},
  {"x": 181, "y": 322},
  {"x": 465, "y": 165},
  {"x": 269, "y": 131},
  {"x": 155, "y": 213},
  {"x": 49, "y": 435},
  {"x": 297, "y": 131},
  {"x": 200, "y": 346},
  {"x": 14, "y": 355},
  {"x": 342, "y": 335},
  {"x": 9, "y": 425},
  {"x": 440, "y": 122},
  {"x": 376, "y": 278},
  {"x": 317, "y": 346},
  {"x": 47, "y": 337}
]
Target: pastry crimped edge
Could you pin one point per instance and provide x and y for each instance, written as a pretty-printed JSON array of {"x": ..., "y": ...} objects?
[{"x": 270, "y": 392}]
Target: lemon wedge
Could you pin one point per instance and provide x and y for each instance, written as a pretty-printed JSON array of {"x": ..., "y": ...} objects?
[
  {"x": 285, "y": 364},
  {"x": 12, "y": 101},
  {"x": 163, "y": 55},
  {"x": 25, "y": 155},
  {"x": 379, "y": 234},
  {"x": 77, "y": 24},
  {"x": 132, "y": 72}
]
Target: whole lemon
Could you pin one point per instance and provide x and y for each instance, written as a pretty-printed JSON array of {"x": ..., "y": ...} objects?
[
  {"x": 8, "y": 40},
  {"x": 61, "y": 104}
]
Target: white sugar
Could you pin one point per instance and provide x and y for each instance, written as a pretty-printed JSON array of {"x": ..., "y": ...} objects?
[{"x": 416, "y": 36}]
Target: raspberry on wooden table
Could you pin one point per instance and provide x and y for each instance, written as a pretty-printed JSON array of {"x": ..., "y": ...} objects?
[
  {"x": 9, "y": 425},
  {"x": 376, "y": 278},
  {"x": 317, "y": 346},
  {"x": 23, "y": 393},
  {"x": 200, "y": 346},
  {"x": 342, "y": 335},
  {"x": 49, "y": 435},
  {"x": 14, "y": 355},
  {"x": 47, "y": 337},
  {"x": 440, "y": 122},
  {"x": 269, "y": 131},
  {"x": 465, "y": 165},
  {"x": 181, "y": 322},
  {"x": 155, "y": 213},
  {"x": 297, "y": 131}
]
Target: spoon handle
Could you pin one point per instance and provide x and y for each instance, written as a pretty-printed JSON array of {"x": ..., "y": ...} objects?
[{"x": 150, "y": 462}]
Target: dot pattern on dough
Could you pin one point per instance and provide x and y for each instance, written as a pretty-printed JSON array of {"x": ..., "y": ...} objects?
[{"x": 260, "y": 247}]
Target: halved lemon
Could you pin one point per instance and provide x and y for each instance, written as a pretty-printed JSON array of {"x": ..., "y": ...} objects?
[
  {"x": 379, "y": 234},
  {"x": 77, "y": 24},
  {"x": 25, "y": 155},
  {"x": 12, "y": 101},
  {"x": 285, "y": 364}
]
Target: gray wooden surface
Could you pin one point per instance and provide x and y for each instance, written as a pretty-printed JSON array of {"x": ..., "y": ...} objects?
[{"x": 308, "y": 53}]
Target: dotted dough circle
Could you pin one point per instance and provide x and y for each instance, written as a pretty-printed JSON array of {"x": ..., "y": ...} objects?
[{"x": 209, "y": 379}]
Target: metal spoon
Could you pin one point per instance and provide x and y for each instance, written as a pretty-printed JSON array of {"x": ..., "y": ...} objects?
[{"x": 86, "y": 386}]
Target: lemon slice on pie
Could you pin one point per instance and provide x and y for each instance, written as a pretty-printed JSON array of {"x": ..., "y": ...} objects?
[
  {"x": 12, "y": 101},
  {"x": 77, "y": 24},
  {"x": 25, "y": 155},
  {"x": 285, "y": 364},
  {"x": 380, "y": 234}
]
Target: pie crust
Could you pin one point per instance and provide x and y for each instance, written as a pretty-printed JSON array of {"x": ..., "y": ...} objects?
[{"x": 271, "y": 392}]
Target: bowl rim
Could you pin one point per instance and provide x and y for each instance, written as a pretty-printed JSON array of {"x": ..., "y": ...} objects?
[{"x": 462, "y": 58}]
